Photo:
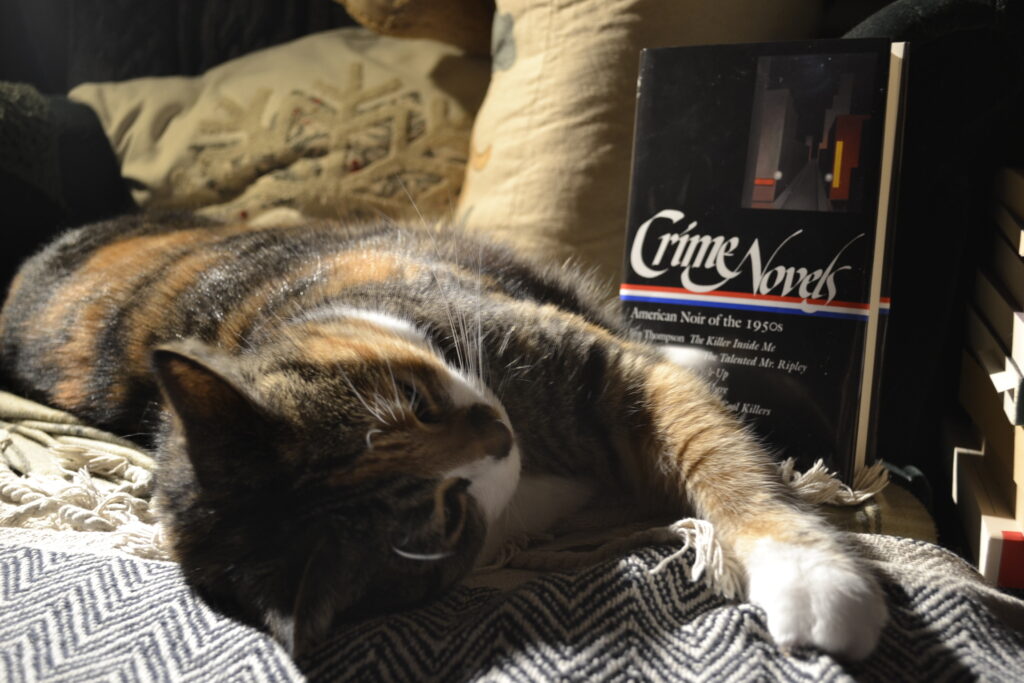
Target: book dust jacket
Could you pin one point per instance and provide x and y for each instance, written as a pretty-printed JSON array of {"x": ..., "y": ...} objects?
[{"x": 758, "y": 230}]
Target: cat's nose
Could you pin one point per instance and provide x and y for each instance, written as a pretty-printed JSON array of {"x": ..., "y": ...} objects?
[{"x": 495, "y": 438}]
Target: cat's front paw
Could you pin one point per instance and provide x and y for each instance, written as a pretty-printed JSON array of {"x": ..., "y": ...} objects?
[{"x": 816, "y": 596}]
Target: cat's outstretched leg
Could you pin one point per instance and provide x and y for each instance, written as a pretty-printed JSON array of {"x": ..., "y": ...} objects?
[
  {"x": 628, "y": 405},
  {"x": 812, "y": 589}
]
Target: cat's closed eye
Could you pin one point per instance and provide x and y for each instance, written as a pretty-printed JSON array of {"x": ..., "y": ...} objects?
[{"x": 425, "y": 410}]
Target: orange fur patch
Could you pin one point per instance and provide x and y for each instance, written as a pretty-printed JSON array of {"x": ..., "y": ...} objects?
[
  {"x": 152, "y": 313},
  {"x": 707, "y": 456},
  {"x": 338, "y": 273},
  {"x": 84, "y": 303}
]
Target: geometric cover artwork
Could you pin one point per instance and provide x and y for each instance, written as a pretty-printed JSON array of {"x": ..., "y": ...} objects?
[{"x": 805, "y": 135}]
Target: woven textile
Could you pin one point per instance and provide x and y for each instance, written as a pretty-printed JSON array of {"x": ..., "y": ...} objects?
[
  {"x": 75, "y": 607},
  {"x": 76, "y": 616},
  {"x": 82, "y": 617},
  {"x": 342, "y": 124}
]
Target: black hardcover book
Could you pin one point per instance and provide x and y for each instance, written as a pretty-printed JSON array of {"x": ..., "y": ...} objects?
[{"x": 758, "y": 230}]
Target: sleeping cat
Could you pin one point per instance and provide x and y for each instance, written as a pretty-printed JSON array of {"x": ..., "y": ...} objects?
[{"x": 342, "y": 415}]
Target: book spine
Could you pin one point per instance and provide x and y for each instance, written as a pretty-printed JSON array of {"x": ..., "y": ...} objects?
[
  {"x": 1017, "y": 338},
  {"x": 1010, "y": 383},
  {"x": 995, "y": 335},
  {"x": 985, "y": 409},
  {"x": 1011, "y": 229},
  {"x": 1010, "y": 192},
  {"x": 1008, "y": 268},
  {"x": 994, "y": 306},
  {"x": 995, "y": 538},
  {"x": 1003, "y": 372},
  {"x": 868, "y": 417},
  {"x": 1006, "y": 557}
]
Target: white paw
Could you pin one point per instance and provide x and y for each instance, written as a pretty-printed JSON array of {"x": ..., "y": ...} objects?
[{"x": 816, "y": 596}]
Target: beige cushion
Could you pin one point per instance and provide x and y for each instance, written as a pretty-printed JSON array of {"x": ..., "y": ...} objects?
[
  {"x": 342, "y": 123},
  {"x": 466, "y": 23},
  {"x": 551, "y": 148}
]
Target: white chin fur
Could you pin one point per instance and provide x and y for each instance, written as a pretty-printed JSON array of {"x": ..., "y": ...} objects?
[
  {"x": 817, "y": 597},
  {"x": 492, "y": 482}
]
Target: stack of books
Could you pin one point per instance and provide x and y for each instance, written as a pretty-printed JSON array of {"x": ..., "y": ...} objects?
[{"x": 988, "y": 481}]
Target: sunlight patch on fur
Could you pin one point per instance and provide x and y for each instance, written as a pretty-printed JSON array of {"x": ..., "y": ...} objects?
[{"x": 403, "y": 328}]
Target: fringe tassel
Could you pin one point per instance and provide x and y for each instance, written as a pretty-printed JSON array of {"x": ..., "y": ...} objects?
[
  {"x": 147, "y": 541},
  {"x": 720, "y": 570},
  {"x": 104, "y": 487},
  {"x": 819, "y": 486}
]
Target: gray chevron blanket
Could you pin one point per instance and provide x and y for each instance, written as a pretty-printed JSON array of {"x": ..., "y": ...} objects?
[
  {"x": 88, "y": 614},
  {"x": 86, "y": 595}
]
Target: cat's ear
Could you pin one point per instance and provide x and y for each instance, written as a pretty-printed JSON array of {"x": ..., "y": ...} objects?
[{"x": 198, "y": 385}]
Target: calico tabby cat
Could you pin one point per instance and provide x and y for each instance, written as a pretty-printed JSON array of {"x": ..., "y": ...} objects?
[{"x": 341, "y": 416}]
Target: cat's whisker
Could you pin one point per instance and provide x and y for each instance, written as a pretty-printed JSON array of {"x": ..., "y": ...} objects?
[
  {"x": 505, "y": 342},
  {"x": 395, "y": 405},
  {"x": 465, "y": 339},
  {"x": 472, "y": 360},
  {"x": 420, "y": 557},
  {"x": 392, "y": 408},
  {"x": 479, "y": 307},
  {"x": 377, "y": 414},
  {"x": 466, "y": 361},
  {"x": 512, "y": 369},
  {"x": 385, "y": 409},
  {"x": 412, "y": 201},
  {"x": 451, "y": 206},
  {"x": 451, "y": 324},
  {"x": 446, "y": 302},
  {"x": 470, "y": 345}
]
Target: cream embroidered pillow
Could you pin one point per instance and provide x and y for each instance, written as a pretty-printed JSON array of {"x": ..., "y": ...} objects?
[
  {"x": 552, "y": 141},
  {"x": 344, "y": 123}
]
